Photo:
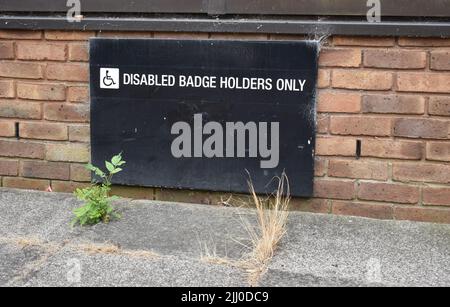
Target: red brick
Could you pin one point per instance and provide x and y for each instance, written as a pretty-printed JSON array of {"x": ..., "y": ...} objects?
[
  {"x": 41, "y": 91},
  {"x": 78, "y": 172},
  {"x": 66, "y": 112},
  {"x": 439, "y": 106},
  {"x": 423, "y": 42},
  {"x": 6, "y": 50},
  {"x": 358, "y": 169},
  {"x": 288, "y": 37},
  {"x": 422, "y": 214},
  {"x": 9, "y": 167},
  {"x": 7, "y": 128},
  {"x": 78, "y": 52},
  {"x": 363, "y": 41},
  {"x": 43, "y": 131},
  {"x": 22, "y": 149},
  {"x": 310, "y": 205},
  {"x": 400, "y": 59},
  {"x": 423, "y": 82},
  {"x": 340, "y": 57},
  {"x": 25, "y": 183},
  {"x": 375, "y": 211},
  {"x": 79, "y": 134},
  {"x": 20, "y": 34},
  {"x": 21, "y": 70},
  {"x": 335, "y": 146},
  {"x": 436, "y": 196},
  {"x": 438, "y": 151},
  {"x": 320, "y": 167},
  {"x": 424, "y": 172},
  {"x": 78, "y": 94},
  {"x": 69, "y": 35},
  {"x": 68, "y": 186},
  {"x": 323, "y": 78},
  {"x": 68, "y": 72},
  {"x": 20, "y": 109},
  {"x": 392, "y": 149},
  {"x": 362, "y": 79},
  {"x": 41, "y": 51},
  {"x": 421, "y": 128},
  {"x": 389, "y": 192},
  {"x": 45, "y": 170},
  {"x": 339, "y": 102},
  {"x": 440, "y": 60},
  {"x": 361, "y": 125},
  {"x": 72, "y": 152},
  {"x": 323, "y": 123},
  {"x": 396, "y": 104},
  {"x": 6, "y": 89},
  {"x": 336, "y": 189}
]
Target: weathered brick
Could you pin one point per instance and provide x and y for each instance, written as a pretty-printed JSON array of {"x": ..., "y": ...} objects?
[
  {"x": 389, "y": 192},
  {"x": 336, "y": 189},
  {"x": 421, "y": 128},
  {"x": 310, "y": 205},
  {"x": 78, "y": 52},
  {"x": 424, "y": 172},
  {"x": 376, "y": 211},
  {"x": 440, "y": 60},
  {"x": 20, "y": 34},
  {"x": 421, "y": 214},
  {"x": 7, "y": 128},
  {"x": 358, "y": 169},
  {"x": 323, "y": 123},
  {"x": 78, "y": 172},
  {"x": 323, "y": 78},
  {"x": 26, "y": 183},
  {"x": 41, "y": 91},
  {"x": 439, "y": 106},
  {"x": 68, "y": 186},
  {"x": 20, "y": 109},
  {"x": 189, "y": 35},
  {"x": 79, "y": 134},
  {"x": 363, "y": 41},
  {"x": 69, "y": 35},
  {"x": 400, "y": 59},
  {"x": 6, "y": 89},
  {"x": 361, "y": 125},
  {"x": 438, "y": 151},
  {"x": 44, "y": 131},
  {"x": 66, "y": 112},
  {"x": 133, "y": 192},
  {"x": 72, "y": 152},
  {"x": 340, "y": 57},
  {"x": 423, "y": 42},
  {"x": 45, "y": 170},
  {"x": 290, "y": 37},
  {"x": 320, "y": 167},
  {"x": 6, "y": 50},
  {"x": 436, "y": 196},
  {"x": 9, "y": 167},
  {"x": 68, "y": 72},
  {"x": 397, "y": 104},
  {"x": 78, "y": 94},
  {"x": 423, "y": 82},
  {"x": 339, "y": 102},
  {"x": 335, "y": 146},
  {"x": 392, "y": 149},
  {"x": 21, "y": 70},
  {"x": 183, "y": 196},
  {"x": 22, "y": 149},
  {"x": 362, "y": 79},
  {"x": 41, "y": 51},
  {"x": 243, "y": 36}
]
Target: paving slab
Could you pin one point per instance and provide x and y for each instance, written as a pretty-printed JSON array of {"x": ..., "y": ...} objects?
[{"x": 345, "y": 250}]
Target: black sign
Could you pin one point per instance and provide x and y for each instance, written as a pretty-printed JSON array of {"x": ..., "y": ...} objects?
[{"x": 205, "y": 114}]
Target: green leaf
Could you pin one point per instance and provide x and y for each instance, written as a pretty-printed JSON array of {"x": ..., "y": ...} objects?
[
  {"x": 109, "y": 166},
  {"x": 90, "y": 167},
  {"x": 116, "y": 159},
  {"x": 117, "y": 170}
]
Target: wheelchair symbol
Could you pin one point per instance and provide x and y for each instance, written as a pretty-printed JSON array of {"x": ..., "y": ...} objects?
[{"x": 109, "y": 78}]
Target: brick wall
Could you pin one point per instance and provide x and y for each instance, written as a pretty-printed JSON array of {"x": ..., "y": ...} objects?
[{"x": 390, "y": 94}]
